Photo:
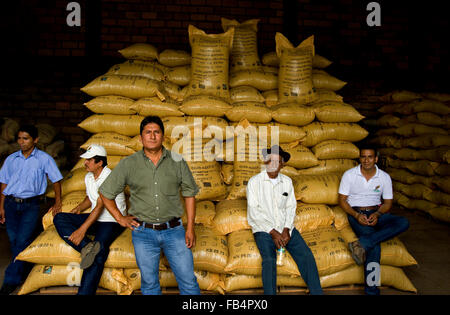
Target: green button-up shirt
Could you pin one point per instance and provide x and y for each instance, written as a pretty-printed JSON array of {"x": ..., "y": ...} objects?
[{"x": 154, "y": 190}]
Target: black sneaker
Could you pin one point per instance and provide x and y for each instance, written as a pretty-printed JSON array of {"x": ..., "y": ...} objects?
[
  {"x": 88, "y": 254},
  {"x": 7, "y": 289}
]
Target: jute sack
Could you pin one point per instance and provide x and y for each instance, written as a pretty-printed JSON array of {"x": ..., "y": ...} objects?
[
  {"x": 323, "y": 80},
  {"x": 293, "y": 114},
  {"x": 208, "y": 179},
  {"x": 431, "y": 119},
  {"x": 335, "y": 149},
  {"x": 154, "y": 106},
  {"x": 173, "y": 91},
  {"x": 231, "y": 215},
  {"x": 327, "y": 95},
  {"x": 394, "y": 253},
  {"x": 210, "y": 251},
  {"x": 111, "y": 104},
  {"x": 317, "y": 132},
  {"x": 271, "y": 59},
  {"x": 338, "y": 166},
  {"x": 400, "y": 96},
  {"x": 289, "y": 171},
  {"x": 121, "y": 252},
  {"x": 244, "y": 256},
  {"x": 227, "y": 173},
  {"x": 441, "y": 213},
  {"x": 130, "y": 86},
  {"x": 114, "y": 279},
  {"x": 10, "y": 128},
  {"x": 179, "y": 75},
  {"x": 411, "y": 130},
  {"x": 271, "y": 97},
  {"x": 431, "y": 106},
  {"x": 442, "y": 182},
  {"x": 205, "y": 105},
  {"x": 301, "y": 156},
  {"x": 284, "y": 133},
  {"x": 388, "y": 120},
  {"x": 340, "y": 217},
  {"x": 243, "y": 282},
  {"x": 210, "y": 60},
  {"x": 295, "y": 82},
  {"x": 208, "y": 126},
  {"x": 259, "y": 79},
  {"x": 421, "y": 167},
  {"x": 252, "y": 111},
  {"x": 137, "y": 69},
  {"x": 204, "y": 213},
  {"x": 311, "y": 216},
  {"x": 114, "y": 143},
  {"x": 174, "y": 58},
  {"x": 442, "y": 97},
  {"x": 244, "y": 54},
  {"x": 329, "y": 250},
  {"x": 426, "y": 141},
  {"x": 317, "y": 188},
  {"x": 415, "y": 191},
  {"x": 46, "y": 133},
  {"x": 437, "y": 197},
  {"x": 127, "y": 125},
  {"x": 246, "y": 93},
  {"x": 141, "y": 51},
  {"x": 55, "y": 149},
  {"x": 73, "y": 181},
  {"x": 393, "y": 141},
  {"x": 113, "y": 160},
  {"x": 333, "y": 111},
  {"x": 69, "y": 201}
]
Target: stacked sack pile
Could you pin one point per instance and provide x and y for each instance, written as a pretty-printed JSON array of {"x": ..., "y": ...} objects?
[
  {"x": 219, "y": 104},
  {"x": 413, "y": 134}
]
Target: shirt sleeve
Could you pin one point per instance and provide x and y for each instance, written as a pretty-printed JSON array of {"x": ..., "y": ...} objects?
[
  {"x": 387, "y": 189},
  {"x": 188, "y": 186},
  {"x": 115, "y": 183},
  {"x": 52, "y": 170},
  {"x": 5, "y": 172},
  {"x": 256, "y": 217},
  {"x": 344, "y": 186},
  {"x": 291, "y": 207}
]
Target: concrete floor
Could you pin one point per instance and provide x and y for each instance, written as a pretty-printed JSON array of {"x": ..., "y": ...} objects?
[{"x": 427, "y": 240}]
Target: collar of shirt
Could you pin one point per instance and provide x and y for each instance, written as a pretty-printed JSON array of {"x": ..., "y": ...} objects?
[
  {"x": 163, "y": 156},
  {"x": 20, "y": 154},
  {"x": 103, "y": 174},
  {"x": 279, "y": 179},
  {"x": 358, "y": 171}
]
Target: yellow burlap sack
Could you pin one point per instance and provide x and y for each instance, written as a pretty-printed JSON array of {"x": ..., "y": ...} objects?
[
  {"x": 295, "y": 82},
  {"x": 111, "y": 104},
  {"x": 340, "y": 217},
  {"x": 400, "y": 96},
  {"x": 317, "y": 188},
  {"x": 121, "y": 252},
  {"x": 114, "y": 143},
  {"x": 431, "y": 119},
  {"x": 244, "y": 54},
  {"x": 442, "y": 182},
  {"x": 179, "y": 75},
  {"x": 145, "y": 70},
  {"x": 204, "y": 213},
  {"x": 244, "y": 256},
  {"x": 323, "y": 80},
  {"x": 293, "y": 114},
  {"x": 426, "y": 141},
  {"x": 69, "y": 201},
  {"x": 113, "y": 160},
  {"x": 124, "y": 85},
  {"x": 271, "y": 59},
  {"x": 55, "y": 149},
  {"x": 289, "y": 171},
  {"x": 284, "y": 133},
  {"x": 301, "y": 156},
  {"x": 241, "y": 282},
  {"x": 10, "y": 128},
  {"x": 73, "y": 181},
  {"x": 437, "y": 197},
  {"x": 210, "y": 126},
  {"x": 231, "y": 215},
  {"x": 389, "y": 141},
  {"x": 335, "y": 149},
  {"x": 141, "y": 51},
  {"x": 252, "y": 111},
  {"x": 174, "y": 58},
  {"x": 411, "y": 130},
  {"x": 208, "y": 179},
  {"x": 317, "y": 132},
  {"x": 245, "y": 93},
  {"x": 394, "y": 253},
  {"x": 333, "y": 111},
  {"x": 154, "y": 106},
  {"x": 114, "y": 279},
  {"x": 329, "y": 249},
  {"x": 441, "y": 213},
  {"x": 431, "y": 106},
  {"x": 227, "y": 173},
  {"x": 338, "y": 166},
  {"x": 421, "y": 167},
  {"x": 259, "y": 79},
  {"x": 271, "y": 97},
  {"x": 210, "y": 60},
  {"x": 46, "y": 133},
  {"x": 127, "y": 125},
  {"x": 210, "y": 251},
  {"x": 311, "y": 216},
  {"x": 205, "y": 105},
  {"x": 173, "y": 91},
  {"x": 388, "y": 120}
]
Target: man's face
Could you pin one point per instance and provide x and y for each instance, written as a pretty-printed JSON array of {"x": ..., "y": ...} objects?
[
  {"x": 91, "y": 166},
  {"x": 368, "y": 159},
  {"x": 152, "y": 137},
  {"x": 274, "y": 163},
  {"x": 25, "y": 141}
]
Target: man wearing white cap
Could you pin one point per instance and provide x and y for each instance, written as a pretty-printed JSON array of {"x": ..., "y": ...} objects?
[{"x": 73, "y": 227}]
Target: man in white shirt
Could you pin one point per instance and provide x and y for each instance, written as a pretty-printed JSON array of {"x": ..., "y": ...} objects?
[
  {"x": 365, "y": 194},
  {"x": 73, "y": 227},
  {"x": 271, "y": 208}
]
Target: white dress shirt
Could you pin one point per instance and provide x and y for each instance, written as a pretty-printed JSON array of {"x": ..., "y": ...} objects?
[
  {"x": 365, "y": 193},
  {"x": 270, "y": 204},
  {"x": 92, "y": 186}
]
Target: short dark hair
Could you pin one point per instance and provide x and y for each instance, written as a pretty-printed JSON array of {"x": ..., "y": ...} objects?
[
  {"x": 30, "y": 129},
  {"x": 368, "y": 146},
  {"x": 151, "y": 119},
  {"x": 99, "y": 158}
]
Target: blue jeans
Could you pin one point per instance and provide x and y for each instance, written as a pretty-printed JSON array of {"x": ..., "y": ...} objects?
[
  {"x": 147, "y": 247},
  {"x": 301, "y": 254},
  {"x": 105, "y": 233},
  {"x": 22, "y": 220},
  {"x": 370, "y": 237}
]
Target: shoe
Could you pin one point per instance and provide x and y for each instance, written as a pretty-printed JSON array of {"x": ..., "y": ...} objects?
[
  {"x": 88, "y": 254},
  {"x": 358, "y": 252},
  {"x": 7, "y": 289}
]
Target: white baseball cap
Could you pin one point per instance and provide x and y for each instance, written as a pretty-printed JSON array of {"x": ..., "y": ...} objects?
[{"x": 93, "y": 150}]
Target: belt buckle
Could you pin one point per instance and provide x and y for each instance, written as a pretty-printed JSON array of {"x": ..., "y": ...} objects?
[{"x": 19, "y": 200}]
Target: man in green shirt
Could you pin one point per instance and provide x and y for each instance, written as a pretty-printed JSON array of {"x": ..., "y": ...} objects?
[{"x": 155, "y": 177}]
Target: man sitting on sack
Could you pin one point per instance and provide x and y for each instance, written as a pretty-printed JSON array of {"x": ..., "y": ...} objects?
[
  {"x": 365, "y": 194},
  {"x": 271, "y": 208},
  {"x": 73, "y": 227}
]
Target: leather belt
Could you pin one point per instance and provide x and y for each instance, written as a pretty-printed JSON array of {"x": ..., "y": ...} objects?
[
  {"x": 22, "y": 200},
  {"x": 161, "y": 226},
  {"x": 366, "y": 208}
]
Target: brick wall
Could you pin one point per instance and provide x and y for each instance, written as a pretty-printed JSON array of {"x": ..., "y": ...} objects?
[{"x": 46, "y": 61}]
